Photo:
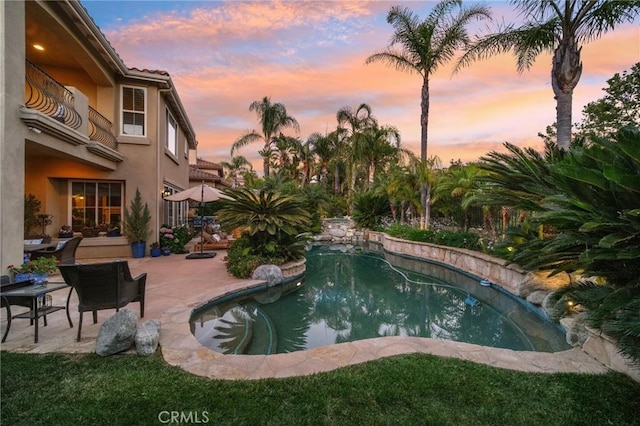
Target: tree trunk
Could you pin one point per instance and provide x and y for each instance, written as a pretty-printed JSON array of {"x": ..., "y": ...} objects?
[
  {"x": 425, "y": 190},
  {"x": 565, "y": 75}
]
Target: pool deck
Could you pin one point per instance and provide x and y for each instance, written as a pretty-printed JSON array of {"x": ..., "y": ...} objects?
[{"x": 175, "y": 286}]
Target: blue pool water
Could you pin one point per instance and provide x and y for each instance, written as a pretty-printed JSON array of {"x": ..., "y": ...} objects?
[{"x": 350, "y": 295}]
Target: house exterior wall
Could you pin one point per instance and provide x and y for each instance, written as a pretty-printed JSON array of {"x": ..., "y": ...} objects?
[
  {"x": 12, "y": 134},
  {"x": 43, "y": 160}
]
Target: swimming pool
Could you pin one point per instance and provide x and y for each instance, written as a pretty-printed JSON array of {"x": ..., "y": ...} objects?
[{"x": 356, "y": 294}]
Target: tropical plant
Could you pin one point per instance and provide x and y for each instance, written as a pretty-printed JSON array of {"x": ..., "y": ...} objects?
[
  {"x": 273, "y": 118},
  {"x": 377, "y": 146},
  {"x": 426, "y": 46},
  {"x": 137, "y": 218},
  {"x": 275, "y": 224},
  {"x": 369, "y": 209},
  {"x": 558, "y": 27}
]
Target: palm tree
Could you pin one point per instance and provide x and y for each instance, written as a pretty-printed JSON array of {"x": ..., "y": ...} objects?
[
  {"x": 377, "y": 145},
  {"x": 426, "y": 46},
  {"x": 350, "y": 123},
  {"x": 558, "y": 26},
  {"x": 273, "y": 118},
  {"x": 237, "y": 165}
]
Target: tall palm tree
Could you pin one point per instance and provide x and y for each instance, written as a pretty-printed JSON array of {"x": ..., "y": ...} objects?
[
  {"x": 273, "y": 118},
  {"x": 426, "y": 45},
  {"x": 558, "y": 26},
  {"x": 234, "y": 168}
]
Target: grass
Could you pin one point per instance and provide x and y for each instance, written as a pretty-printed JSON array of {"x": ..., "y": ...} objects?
[{"x": 64, "y": 389}]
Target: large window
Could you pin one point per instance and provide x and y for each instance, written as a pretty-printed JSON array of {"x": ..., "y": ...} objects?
[
  {"x": 134, "y": 107},
  {"x": 172, "y": 134},
  {"x": 174, "y": 213},
  {"x": 95, "y": 203}
]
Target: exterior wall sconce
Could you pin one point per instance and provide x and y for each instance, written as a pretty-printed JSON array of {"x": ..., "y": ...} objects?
[{"x": 165, "y": 193}]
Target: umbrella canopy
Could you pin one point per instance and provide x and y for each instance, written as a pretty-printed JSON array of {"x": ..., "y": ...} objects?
[{"x": 202, "y": 193}]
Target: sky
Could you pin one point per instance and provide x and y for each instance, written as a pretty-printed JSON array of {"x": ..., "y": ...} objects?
[{"x": 310, "y": 56}]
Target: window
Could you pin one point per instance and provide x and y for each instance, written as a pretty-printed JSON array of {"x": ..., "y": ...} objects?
[
  {"x": 134, "y": 106},
  {"x": 174, "y": 213},
  {"x": 172, "y": 134},
  {"x": 95, "y": 203}
]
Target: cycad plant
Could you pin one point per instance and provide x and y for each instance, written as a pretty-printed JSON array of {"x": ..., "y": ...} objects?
[{"x": 275, "y": 224}]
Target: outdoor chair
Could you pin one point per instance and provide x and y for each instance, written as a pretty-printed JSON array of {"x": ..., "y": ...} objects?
[
  {"x": 65, "y": 252},
  {"x": 103, "y": 286},
  {"x": 7, "y": 301}
]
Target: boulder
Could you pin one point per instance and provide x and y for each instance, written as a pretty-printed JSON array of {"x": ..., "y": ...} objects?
[
  {"x": 272, "y": 274},
  {"x": 537, "y": 297},
  {"x": 542, "y": 280},
  {"x": 117, "y": 334},
  {"x": 576, "y": 329},
  {"x": 147, "y": 337}
]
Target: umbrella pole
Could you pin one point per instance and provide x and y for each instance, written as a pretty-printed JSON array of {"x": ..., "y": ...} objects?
[{"x": 202, "y": 254}]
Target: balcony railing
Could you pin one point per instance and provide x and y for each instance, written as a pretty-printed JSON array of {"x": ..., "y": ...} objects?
[
  {"x": 46, "y": 95},
  {"x": 101, "y": 129}
]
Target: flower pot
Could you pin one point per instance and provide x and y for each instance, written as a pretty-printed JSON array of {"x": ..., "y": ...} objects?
[
  {"x": 113, "y": 233},
  {"x": 38, "y": 279},
  {"x": 65, "y": 234},
  {"x": 138, "y": 249},
  {"x": 166, "y": 252},
  {"x": 155, "y": 252},
  {"x": 90, "y": 233}
]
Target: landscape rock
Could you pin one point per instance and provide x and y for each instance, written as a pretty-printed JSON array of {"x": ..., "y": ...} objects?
[
  {"x": 117, "y": 333},
  {"x": 272, "y": 274},
  {"x": 576, "y": 329},
  {"x": 540, "y": 280},
  {"x": 147, "y": 337},
  {"x": 537, "y": 297}
]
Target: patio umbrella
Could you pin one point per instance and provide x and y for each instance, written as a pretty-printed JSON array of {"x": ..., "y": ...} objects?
[{"x": 203, "y": 194}]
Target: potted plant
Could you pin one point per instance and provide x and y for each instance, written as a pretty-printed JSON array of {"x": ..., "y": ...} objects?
[
  {"x": 65, "y": 231},
  {"x": 89, "y": 230},
  {"x": 37, "y": 270},
  {"x": 113, "y": 230},
  {"x": 137, "y": 218},
  {"x": 155, "y": 249}
]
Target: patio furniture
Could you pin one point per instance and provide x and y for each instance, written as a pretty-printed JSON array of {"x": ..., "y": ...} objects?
[
  {"x": 65, "y": 251},
  {"x": 103, "y": 286},
  {"x": 26, "y": 294}
]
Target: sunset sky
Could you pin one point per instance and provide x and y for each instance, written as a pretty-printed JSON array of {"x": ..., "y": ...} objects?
[{"x": 310, "y": 56}]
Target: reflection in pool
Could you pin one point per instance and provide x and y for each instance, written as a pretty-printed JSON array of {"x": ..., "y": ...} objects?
[{"x": 350, "y": 295}]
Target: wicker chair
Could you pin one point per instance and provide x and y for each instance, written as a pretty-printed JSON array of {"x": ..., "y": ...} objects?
[
  {"x": 65, "y": 254},
  {"x": 103, "y": 286}
]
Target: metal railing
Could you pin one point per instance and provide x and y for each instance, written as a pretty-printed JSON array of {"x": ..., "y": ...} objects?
[
  {"x": 46, "y": 95},
  {"x": 100, "y": 129}
]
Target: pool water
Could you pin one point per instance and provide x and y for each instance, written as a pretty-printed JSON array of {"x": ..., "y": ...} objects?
[{"x": 350, "y": 295}]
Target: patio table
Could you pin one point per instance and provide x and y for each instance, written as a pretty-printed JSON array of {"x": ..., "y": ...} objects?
[{"x": 35, "y": 292}]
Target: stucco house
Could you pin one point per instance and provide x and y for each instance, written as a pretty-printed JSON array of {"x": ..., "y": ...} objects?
[{"x": 81, "y": 131}]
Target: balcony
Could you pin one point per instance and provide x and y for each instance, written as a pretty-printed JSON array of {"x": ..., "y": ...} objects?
[{"x": 64, "y": 113}]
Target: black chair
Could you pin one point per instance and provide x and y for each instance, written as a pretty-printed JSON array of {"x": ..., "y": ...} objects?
[
  {"x": 65, "y": 254},
  {"x": 103, "y": 286},
  {"x": 7, "y": 301}
]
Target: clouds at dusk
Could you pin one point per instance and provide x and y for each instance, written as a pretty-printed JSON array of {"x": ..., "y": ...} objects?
[{"x": 310, "y": 56}]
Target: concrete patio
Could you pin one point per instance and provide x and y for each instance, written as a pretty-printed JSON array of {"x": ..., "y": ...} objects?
[{"x": 175, "y": 286}]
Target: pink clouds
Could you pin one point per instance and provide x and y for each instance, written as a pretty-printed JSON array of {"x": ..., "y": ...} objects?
[{"x": 310, "y": 56}]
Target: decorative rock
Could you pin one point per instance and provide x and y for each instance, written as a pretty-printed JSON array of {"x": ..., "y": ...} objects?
[
  {"x": 576, "y": 329},
  {"x": 537, "y": 297},
  {"x": 147, "y": 337},
  {"x": 541, "y": 280},
  {"x": 117, "y": 333},
  {"x": 272, "y": 274}
]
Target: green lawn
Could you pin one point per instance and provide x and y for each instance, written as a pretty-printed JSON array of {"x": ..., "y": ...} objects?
[{"x": 60, "y": 389}]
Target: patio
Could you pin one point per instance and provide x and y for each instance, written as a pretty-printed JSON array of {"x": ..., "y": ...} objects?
[{"x": 175, "y": 286}]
